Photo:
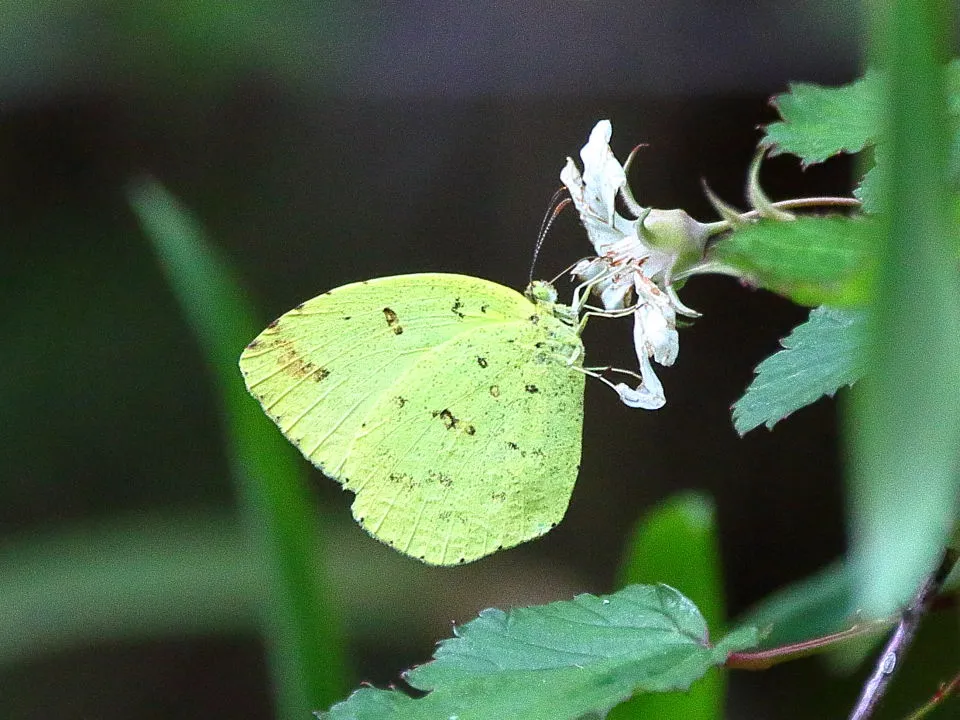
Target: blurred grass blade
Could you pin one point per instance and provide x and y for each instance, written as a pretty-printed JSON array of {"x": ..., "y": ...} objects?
[
  {"x": 904, "y": 425},
  {"x": 302, "y": 627},
  {"x": 677, "y": 544},
  {"x": 138, "y": 577}
]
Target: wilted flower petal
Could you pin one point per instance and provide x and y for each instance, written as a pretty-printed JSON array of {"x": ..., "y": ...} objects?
[
  {"x": 648, "y": 395},
  {"x": 630, "y": 270}
]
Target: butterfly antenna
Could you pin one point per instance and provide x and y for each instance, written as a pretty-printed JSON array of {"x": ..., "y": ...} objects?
[{"x": 555, "y": 207}]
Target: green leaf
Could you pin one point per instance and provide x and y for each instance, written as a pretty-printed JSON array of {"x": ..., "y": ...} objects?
[
  {"x": 556, "y": 662},
  {"x": 867, "y": 191},
  {"x": 811, "y": 260},
  {"x": 819, "y": 122},
  {"x": 904, "y": 426},
  {"x": 302, "y": 624},
  {"x": 816, "y": 605},
  {"x": 819, "y": 357},
  {"x": 141, "y": 576},
  {"x": 677, "y": 543}
]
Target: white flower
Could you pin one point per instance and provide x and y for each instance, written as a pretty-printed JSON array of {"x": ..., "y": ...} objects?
[{"x": 635, "y": 259}]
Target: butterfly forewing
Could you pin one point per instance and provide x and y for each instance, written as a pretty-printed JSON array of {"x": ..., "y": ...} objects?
[{"x": 318, "y": 369}]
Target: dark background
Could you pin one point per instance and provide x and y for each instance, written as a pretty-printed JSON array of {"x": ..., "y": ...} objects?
[{"x": 322, "y": 143}]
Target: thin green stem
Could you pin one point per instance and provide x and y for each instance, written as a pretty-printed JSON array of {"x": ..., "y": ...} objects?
[{"x": 943, "y": 692}]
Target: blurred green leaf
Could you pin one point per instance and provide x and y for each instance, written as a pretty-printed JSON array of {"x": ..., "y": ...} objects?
[
  {"x": 819, "y": 357},
  {"x": 812, "y": 261},
  {"x": 556, "y": 662},
  {"x": 302, "y": 625},
  {"x": 817, "y": 605},
  {"x": 819, "y": 122},
  {"x": 904, "y": 426},
  {"x": 677, "y": 543},
  {"x": 207, "y": 41},
  {"x": 140, "y": 577}
]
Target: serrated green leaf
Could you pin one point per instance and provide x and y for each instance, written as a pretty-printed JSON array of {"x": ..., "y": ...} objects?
[
  {"x": 819, "y": 122},
  {"x": 678, "y": 543},
  {"x": 811, "y": 260},
  {"x": 819, "y": 357},
  {"x": 556, "y": 662},
  {"x": 866, "y": 191}
]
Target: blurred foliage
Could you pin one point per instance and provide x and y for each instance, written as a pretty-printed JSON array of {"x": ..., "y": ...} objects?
[
  {"x": 190, "y": 45},
  {"x": 904, "y": 425},
  {"x": 302, "y": 627},
  {"x": 132, "y": 578},
  {"x": 678, "y": 543}
]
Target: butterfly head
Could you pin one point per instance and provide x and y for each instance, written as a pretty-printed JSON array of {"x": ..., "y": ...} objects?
[{"x": 544, "y": 295}]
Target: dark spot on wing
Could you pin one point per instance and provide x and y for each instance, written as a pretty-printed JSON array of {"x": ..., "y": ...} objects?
[
  {"x": 512, "y": 445},
  {"x": 321, "y": 374},
  {"x": 483, "y": 308},
  {"x": 482, "y": 362},
  {"x": 403, "y": 479},
  {"x": 532, "y": 389},
  {"x": 347, "y": 317},
  {"x": 457, "y": 307},
  {"x": 392, "y": 321},
  {"x": 400, "y": 400},
  {"x": 499, "y": 496},
  {"x": 534, "y": 319},
  {"x": 449, "y": 421},
  {"x": 293, "y": 364},
  {"x": 495, "y": 390},
  {"x": 470, "y": 430}
]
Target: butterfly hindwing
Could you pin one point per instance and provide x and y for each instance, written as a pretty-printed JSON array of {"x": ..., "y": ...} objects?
[{"x": 476, "y": 447}]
